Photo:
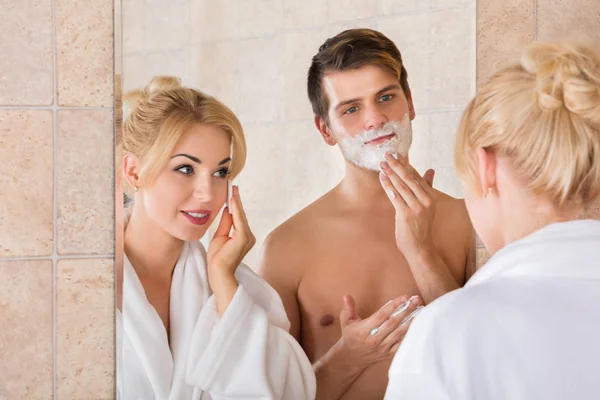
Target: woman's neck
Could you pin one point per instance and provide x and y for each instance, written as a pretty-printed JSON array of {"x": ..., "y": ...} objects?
[
  {"x": 151, "y": 251},
  {"x": 533, "y": 215}
]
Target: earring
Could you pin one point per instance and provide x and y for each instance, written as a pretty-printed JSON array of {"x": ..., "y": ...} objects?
[
  {"x": 489, "y": 193},
  {"x": 135, "y": 188}
]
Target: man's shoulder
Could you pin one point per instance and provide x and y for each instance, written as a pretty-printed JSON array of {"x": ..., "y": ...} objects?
[
  {"x": 452, "y": 208},
  {"x": 290, "y": 247},
  {"x": 303, "y": 226},
  {"x": 446, "y": 200}
]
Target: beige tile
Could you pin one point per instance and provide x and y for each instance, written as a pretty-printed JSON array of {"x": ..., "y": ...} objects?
[
  {"x": 311, "y": 166},
  {"x": 214, "y": 20},
  {"x": 351, "y": 10},
  {"x": 133, "y": 27},
  {"x": 390, "y": 7},
  {"x": 26, "y": 336},
  {"x": 167, "y": 24},
  {"x": 260, "y": 80},
  {"x": 451, "y": 58},
  {"x": 300, "y": 48},
  {"x": 304, "y": 14},
  {"x": 85, "y": 203},
  {"x": 503, "y": 30},
  {"x": 26, "y": 138},
  {"x": 262, "y": 178},
  {"x": 261, "y": 223},
  {"x": 411, "y": 35},
  {"x": 442, "y": 135},
  {"x": 558, "y": 19},
  {"x": 26, "y": 64},
  {"x": 85, "y": 312},
  {"x": 140, "y": 68},
  {"x": 482, "y": 257},
  {"x": 336, "y": 28},
  {"x": 449, "y": 3},
  {"x": 217, "y": 70},
  {"x": 84, "y": 52},
  {"x": 260, "y": 17}
]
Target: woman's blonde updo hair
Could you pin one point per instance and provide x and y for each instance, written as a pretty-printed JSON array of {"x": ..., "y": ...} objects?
[
  {"x": 544, "y": 115},
  {"x": 158, "y": 116}
]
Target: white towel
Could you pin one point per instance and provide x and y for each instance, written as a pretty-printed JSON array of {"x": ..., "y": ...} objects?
[{"x": 245, "y": 354}]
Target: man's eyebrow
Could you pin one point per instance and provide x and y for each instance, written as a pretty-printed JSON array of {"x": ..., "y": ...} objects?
[{"x": 380, "y": 91}]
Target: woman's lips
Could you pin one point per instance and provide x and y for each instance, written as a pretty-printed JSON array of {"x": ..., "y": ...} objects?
[{"x": 197, "y": 217}]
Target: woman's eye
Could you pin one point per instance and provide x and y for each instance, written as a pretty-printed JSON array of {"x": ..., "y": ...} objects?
[
  {"x": 186, "y": 169},
  {"x": 222, "y": 173}
]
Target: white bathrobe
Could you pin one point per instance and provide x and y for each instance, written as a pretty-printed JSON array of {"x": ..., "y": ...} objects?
[
  {"x": 245, "y": 354},
  {"x": 525, "y": 326}
]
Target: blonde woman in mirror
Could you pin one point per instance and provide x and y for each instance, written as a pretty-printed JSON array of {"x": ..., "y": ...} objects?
[
  {"x": 527, "y": 324},
  {"x": 195, "y": 324}
]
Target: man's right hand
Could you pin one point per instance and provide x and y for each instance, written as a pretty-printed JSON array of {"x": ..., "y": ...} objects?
[{"x": 365, "y": 348}]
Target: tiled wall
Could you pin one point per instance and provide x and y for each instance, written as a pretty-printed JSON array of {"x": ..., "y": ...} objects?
[
  {"x": 254, "y": 56},
  {"x": 56, "y": 104},
  {"x": 56, "y": 199},
  {"x": 505, "y": 27}
]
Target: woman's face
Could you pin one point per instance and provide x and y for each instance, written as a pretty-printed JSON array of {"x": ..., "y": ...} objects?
[{"x": 192, "y": 187}]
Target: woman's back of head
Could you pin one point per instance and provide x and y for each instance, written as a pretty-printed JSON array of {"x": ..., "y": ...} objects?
[{"x": 542, "y": 114}]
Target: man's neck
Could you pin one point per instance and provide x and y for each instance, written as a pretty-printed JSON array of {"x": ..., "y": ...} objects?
[{"x": 361, "y": 189}]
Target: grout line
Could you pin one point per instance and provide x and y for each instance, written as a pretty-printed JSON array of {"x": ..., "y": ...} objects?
[
  {"x": 535, "y": 20},
  {"x": 54, "y": 205},
  {"x": 56, "y": 258},
  {"x": 54, "y": 106},
  {"x": 309, "y": 120}
]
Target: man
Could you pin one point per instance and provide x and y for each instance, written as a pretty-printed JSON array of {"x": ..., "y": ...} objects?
[{"x": 361, "y": 245}]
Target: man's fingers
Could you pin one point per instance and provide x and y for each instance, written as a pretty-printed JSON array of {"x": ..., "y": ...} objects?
[
  {"x": 381, "y": 315},
  {"x": 395, "y": 320},
  {"x": 428, "y": 177},
  {"x": 348, "y": 312}
]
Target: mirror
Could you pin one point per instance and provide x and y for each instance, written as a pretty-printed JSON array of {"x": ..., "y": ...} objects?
[{"x": 254, "y": 57}]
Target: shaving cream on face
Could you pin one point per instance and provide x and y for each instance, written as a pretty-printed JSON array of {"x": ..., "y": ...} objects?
[{"x": 369, "y": 156}]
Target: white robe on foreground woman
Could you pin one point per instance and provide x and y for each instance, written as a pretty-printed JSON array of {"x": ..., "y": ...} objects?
[
  {"x": 525, "y": 326},
  {"x": 247, "y": 353}
]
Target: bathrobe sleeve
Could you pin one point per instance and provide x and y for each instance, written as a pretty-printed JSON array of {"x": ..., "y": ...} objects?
[{"x": 248, "y": 352}]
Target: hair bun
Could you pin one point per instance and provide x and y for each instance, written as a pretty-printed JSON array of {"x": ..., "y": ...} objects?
[
  {"x": 133, "y": 98},
  {"x": 163, "y": 84},
  {"x": 567, "y": 75}
]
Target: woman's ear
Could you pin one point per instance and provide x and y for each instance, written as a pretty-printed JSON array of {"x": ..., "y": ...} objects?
[
  {"x": 487, "y": 163},
  {"x": 131, "y": 169}
]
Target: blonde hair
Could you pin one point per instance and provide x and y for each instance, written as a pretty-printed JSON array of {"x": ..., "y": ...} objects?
[
  {"x": 160, "y": 113},
  {"x": 543, "y": 114}
]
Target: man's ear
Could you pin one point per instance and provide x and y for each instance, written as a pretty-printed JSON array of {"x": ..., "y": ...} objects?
[{"x": 324, "y": 130}]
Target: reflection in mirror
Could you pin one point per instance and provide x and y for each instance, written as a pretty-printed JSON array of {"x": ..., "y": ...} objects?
[{"x": 217, "y": 90}]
